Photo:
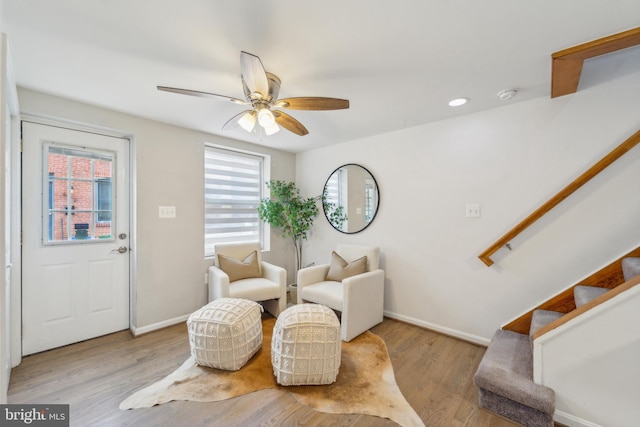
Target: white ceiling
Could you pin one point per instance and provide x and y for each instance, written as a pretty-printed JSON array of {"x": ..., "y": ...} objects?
[{"x": 398, "y": 62}]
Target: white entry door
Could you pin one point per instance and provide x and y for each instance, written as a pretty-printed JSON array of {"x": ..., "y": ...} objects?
[{"x": 75, "y": 262}]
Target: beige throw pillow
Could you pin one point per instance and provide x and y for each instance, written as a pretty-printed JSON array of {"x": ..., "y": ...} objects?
[
  {"x": 341, "y": 269},
  {"x": 236, "y": 269}
]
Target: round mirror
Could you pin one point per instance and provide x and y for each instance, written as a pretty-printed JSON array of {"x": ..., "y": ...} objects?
[{"x": 350, "y": 198}]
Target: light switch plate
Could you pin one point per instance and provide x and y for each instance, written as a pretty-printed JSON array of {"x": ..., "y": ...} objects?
[
  {"x": 166, "y": 211},
  {"x": 473, "y": 211}
]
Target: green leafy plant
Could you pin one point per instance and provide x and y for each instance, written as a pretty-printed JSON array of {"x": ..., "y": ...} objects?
[
  {"x": 334, "y": 213},
  {"x": 295, "y": 215},
  {"x": 290, "y": 212}
]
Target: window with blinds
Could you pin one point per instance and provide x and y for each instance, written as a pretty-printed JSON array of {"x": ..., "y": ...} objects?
[
  {"x": 335, "y": 192},
  {"x": 233, "y": 185},
  {"x": 332, "y": 188}
]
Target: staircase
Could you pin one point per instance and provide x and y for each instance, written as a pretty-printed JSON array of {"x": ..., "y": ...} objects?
[{"x": 505, "y": 374}]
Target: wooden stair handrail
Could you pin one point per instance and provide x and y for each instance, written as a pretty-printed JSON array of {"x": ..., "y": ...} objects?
[
  {"x": 566, "y": 65},
  {"x": 614, "y": 155},
  {"x": 588, "y": 306}
]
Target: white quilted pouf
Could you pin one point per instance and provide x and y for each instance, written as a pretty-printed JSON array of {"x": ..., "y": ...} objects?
[
  {"x": 225, "y": 333},
  {"x": 306, "y": 345}
]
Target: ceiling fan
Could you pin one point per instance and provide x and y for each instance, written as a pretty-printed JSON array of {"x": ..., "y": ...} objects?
[{"x": 261, "y": 90}]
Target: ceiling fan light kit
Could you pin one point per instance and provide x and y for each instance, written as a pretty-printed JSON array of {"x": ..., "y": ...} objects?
[
  {"x": 271, "y": 130},
  {"x": 265, "y": 118},
  {"x": 248, "y": 121},
  {"x": 261, "y": 89}
]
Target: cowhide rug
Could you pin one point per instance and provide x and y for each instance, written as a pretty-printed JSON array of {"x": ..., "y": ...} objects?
[{"x": 365, "y": 384}]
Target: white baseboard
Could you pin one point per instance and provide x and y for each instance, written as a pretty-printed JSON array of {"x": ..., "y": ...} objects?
[
  {"x": 441, "y": 329},
  {"x": 427, "y": 325},
  {"x": 572, "y": 421},
  {"x": 155, "y": 326}
]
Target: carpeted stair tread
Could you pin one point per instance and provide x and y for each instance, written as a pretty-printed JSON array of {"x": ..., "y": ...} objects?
[
  {"x": 630, "y": 268},
  {"x": 505, "y": 374},
  {"x": 505, "y": 380},
  {"x": 584, "y": 294},
  {"x": 542, "y": 318}
]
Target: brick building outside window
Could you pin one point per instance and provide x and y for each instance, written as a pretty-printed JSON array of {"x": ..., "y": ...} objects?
[{"x": 80, "y": 196}]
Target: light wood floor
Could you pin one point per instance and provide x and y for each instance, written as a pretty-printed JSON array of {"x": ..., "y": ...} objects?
[{"x": 433, "y": 371}]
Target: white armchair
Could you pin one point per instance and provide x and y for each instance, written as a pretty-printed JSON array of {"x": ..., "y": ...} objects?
[
  {"x": 359, "y": 298},
  {"x": 266, "y": 282}
]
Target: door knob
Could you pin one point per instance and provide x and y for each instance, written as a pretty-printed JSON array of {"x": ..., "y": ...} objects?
[{"x": 121, "y": 249}]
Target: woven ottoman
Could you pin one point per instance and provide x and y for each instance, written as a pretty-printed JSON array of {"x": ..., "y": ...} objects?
[
  {"x": 225, "y": 333},
  {"x": 306, "y": 345}
]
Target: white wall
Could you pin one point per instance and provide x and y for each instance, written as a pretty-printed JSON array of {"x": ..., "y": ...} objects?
[
  {"x": 356, "y": 184},
  {"x": 170, "y": 270},
  {"x": 591, "y": 363},
  {"x": 509, "y": 160},
  {"x": 5, "y": 332},
  {"x": 5, "y": 230},
  {"x": 9, "y": 212}
]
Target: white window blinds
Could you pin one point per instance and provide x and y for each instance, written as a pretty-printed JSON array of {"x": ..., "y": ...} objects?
[
  {"x": 233, "y": 185},
  {"x": 332, "y": 188}
]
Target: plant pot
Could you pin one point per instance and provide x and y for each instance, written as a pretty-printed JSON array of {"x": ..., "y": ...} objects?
[{"x": 293, "y": 293}]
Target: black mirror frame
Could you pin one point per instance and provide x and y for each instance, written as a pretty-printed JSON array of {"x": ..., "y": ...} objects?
[{"x": 377, "y": 198}]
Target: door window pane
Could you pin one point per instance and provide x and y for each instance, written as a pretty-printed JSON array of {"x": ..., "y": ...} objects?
[
  {"x": 81, "y": 167},
  {"x": 103, "y": 199},
  {"x": 79, "y": 199}
]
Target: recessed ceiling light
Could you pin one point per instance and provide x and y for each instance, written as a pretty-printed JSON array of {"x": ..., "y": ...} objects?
[{"x": 458, "y": 102}]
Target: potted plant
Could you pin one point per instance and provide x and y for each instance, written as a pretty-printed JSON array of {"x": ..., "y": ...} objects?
[
  {"x": 290, "y": 212},
  {"x": 294, "y": 215}
]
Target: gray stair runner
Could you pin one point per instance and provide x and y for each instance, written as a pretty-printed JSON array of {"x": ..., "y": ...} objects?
[
  {"x": 585, "y": 294},
  {"x": 630, "y": 268},
  {"x": 542, "y": 318},
  {"x": 505, "y": 382},
  {"x": 505, "y": 374}
]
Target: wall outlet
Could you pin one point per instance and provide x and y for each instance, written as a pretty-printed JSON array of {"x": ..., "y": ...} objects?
[{"x": 473, "y": 211}]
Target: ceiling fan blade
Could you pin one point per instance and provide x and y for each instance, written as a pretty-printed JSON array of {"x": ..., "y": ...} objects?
[
  {"x": 254, "y": 74},
  {"x": 313, "y": 103},
  {"x": 232, "y": 123},
  {"x": 201, "y": 94},
  {"x": 289, "y": 123}
]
